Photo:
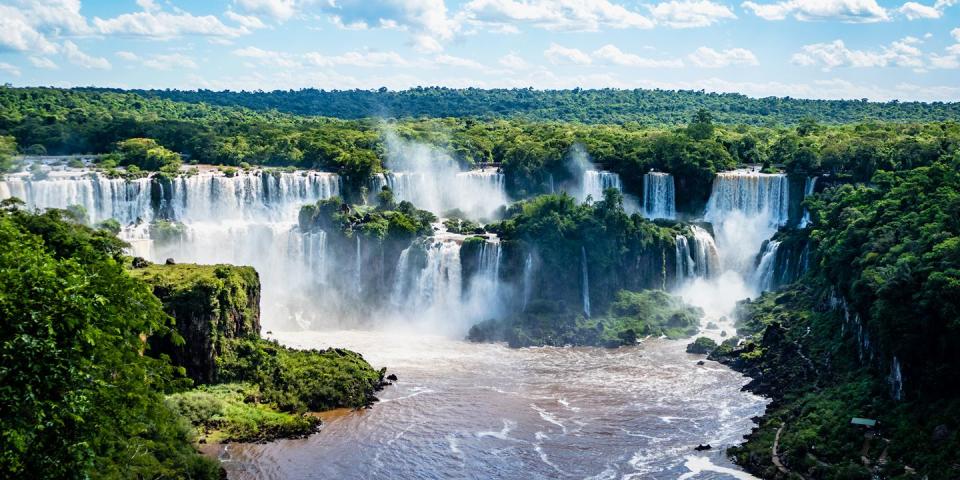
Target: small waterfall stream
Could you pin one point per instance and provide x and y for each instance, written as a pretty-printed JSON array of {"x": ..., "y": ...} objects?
[{"x": 585, "y": 285}]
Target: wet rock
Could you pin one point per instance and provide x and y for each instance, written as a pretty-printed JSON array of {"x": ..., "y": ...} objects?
[
  {"x": 702, "y": 447},
  {"x": 941, "y": 433},
  {"x": 140, "y": 262},
  {"x": 712, "y": 326},
  {"x": 701, "y": 362},
  {"x": 170, "y": 261},
  {"x": 702, "y": 346},
  {"x": 392, "y": 377}
]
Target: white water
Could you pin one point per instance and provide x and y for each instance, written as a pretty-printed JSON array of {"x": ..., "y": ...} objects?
[
  {"x": 745, "y": 208},
  {"x": 697, "y": 256},
  {"x": 595, "y": 182},
  {"x": 659, "y": 196},
  {"x": 764, "y": 277},
  {"x": 126, "y": 201},
  {"x": 808, "y": 188},
  {"x": 527, "y": 281},
  {"x": 432, "y": 180}
]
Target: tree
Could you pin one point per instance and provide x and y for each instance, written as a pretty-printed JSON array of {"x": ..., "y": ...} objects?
[{"x": 701, "y": 127}]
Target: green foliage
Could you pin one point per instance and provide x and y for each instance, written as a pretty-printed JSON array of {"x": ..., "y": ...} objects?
[
  {"x": 702, "y": 346},
  {"x": 632, "y": 316},
  {"x": 147, "y": 154},
  {"x": 166, "y": 231},
  {"x": 300, "y": 380},
  {"x": 79, "y": 398},
  {"x": 233, "y": 412},
  {"x": 8, "y": 148}
]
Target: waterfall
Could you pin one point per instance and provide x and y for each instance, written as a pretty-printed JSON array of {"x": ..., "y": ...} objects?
[
  {"x": 658, "y": 196},
  {"x": 527, "y": 281},
  {"x": 124, "y": 200},
  {"x": 477, "y": 193},
  {"x": 586, "y": 281},
  {"x": 746, "y": 208},
  {"x": 596, "y": 181},
  {"x": 358, "y": 268},
  {"x": 438, "y": 287},
  {"x": 315, "y": 251},
  {"x": 697, "y": 256},
  {"x": 764, "y": 278},
  {"x": 896, "y": 379},
  {"x": 808, "y": 188}
]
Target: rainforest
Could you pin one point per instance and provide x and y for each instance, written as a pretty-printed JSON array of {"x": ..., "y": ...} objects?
[{"x": 482, "y": 284}]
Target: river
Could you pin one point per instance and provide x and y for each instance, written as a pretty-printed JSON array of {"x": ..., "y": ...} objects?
[{"x": 466, "y": 410}]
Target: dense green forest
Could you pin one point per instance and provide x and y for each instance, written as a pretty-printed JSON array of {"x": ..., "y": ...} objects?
[
  {"x": 99, "y": 359},
  {"x": 645, "y": 107}
]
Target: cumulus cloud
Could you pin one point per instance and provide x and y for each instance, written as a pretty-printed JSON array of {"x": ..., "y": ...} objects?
[
  {"x": 513, "y": 62},
  {"x": 850, "y": 11},
  {"x": 74, "y": 55},
  {"x": 613, "y": 55},
  {"x": 706, "y": 57},
  {"x": 558, "y": 54},
  {"x": 458, "y": 62},
  {"x": 278, "y": 9},
  {"x": 9, "y": 69},
  {"x": 43, "y": 62},
  {"x": 915, "y": 11},
  {"x": 902, "y": 53},
  {"x": 157, "y": 24},
  {"x": 566, "y": 15},
  {"x": 18, "y": 34},
  {"x": 690, "y": 13}
]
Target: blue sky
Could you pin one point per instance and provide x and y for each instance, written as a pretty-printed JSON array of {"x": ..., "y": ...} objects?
[{"x": 908, "y": 50}]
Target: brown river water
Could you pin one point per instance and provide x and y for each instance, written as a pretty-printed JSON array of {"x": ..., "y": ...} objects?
[{"x": 465, "y": 410}]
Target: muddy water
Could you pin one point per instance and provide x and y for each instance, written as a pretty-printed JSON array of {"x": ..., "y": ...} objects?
[{"x": 463, "y": 410}]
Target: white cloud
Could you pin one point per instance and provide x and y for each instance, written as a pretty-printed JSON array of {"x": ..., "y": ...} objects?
[
  {"x": 364, "y": 59},
  {"x": 10, "y": 69},
  {"x": 426, "y": 20},
  {"x": 514, "y": 62},
  {"x": 249, "y": 22},
  {"x": 172, "y": 61},
  {"x": 458, "y": 62},
  {"x": 690, "y": 13},
  {"x": 278, "y": 9},
  {"x": 128, "y": 56},
  {"x": 75, "y": 56},
  {"x": 55, "y": 16},
  {"x": 902, "y": 53},
  {"x": 43, "y": 62},
  {"x": 566, "y": 15},
  {"x": 850, "y": 11},
  {"x": 16, "y": 33},
  {"x": 706, "y": 57},
  {"x": 558, "y": 54},
  {"x": 156, "y": 24},
  {"x": 915, "y": 11},
  {"x": 612, "y": 54}
]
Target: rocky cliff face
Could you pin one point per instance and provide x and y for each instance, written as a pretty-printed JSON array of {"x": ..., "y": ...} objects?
[{"x": 211, "y": 304}]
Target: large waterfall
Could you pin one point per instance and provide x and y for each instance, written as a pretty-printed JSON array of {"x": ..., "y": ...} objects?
[
  {"x": 103, "y": 197},
  {"x": 746, "y": 208},
  {"x": 476, "y": 193},
  {"x": 595, "y": 182},
  {"x": 658, "y": 196}
]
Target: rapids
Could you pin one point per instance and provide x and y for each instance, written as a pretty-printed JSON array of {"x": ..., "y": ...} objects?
[{"x": 462, "y": 410}]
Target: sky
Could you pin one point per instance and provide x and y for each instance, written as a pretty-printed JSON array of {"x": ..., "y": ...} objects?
[{"x": 880, "y": 50}]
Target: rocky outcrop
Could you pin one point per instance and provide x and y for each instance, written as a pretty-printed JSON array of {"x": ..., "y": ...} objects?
[{"x": 211, "y": 304}]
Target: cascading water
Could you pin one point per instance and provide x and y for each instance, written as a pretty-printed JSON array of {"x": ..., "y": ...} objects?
[
  {"x": 658, "y": 196},
  {"x": 595, "y": 182},
  {"x": 764, "y": 278},
  {"x": 808, "y": 188},
  {"x": 124, "y": 200},
  {"x": 585, "y": 284},
  {"x": 527, "y": 281},
  {"x": 697, "y": 256}
]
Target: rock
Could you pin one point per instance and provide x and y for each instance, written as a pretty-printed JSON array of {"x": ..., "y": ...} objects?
[
  {"x": 702, "y": 447},
  {"x": 170, "y": 261},
  {"x": 723, "y": 333},
  {"x": 701, "y": 362},
  {"x": 140, "y": 262},
  {"x": 941, "y": 433},
  {"x": 392, "y": 377},
  {"x": 702, "y": 346},
  {"x": 712, "y": 326}
]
